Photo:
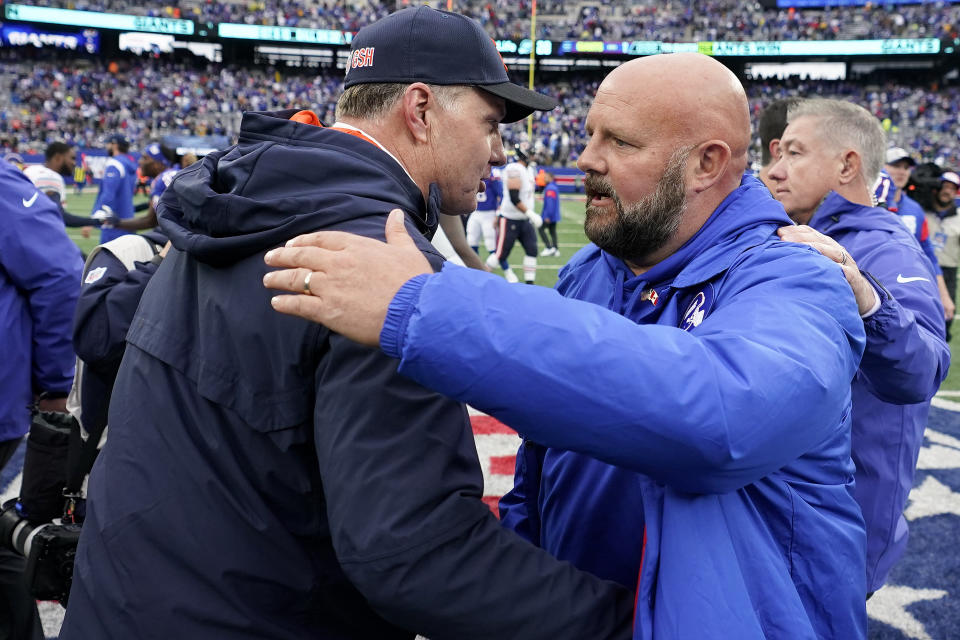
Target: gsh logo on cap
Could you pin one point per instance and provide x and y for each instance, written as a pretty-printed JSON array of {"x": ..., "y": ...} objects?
[{"x": 362, "y": 58}]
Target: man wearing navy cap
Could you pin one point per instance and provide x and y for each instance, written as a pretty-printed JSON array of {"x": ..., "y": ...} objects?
[
  {"x": 267, "y": 478},
  {"x": 115, "y": 198}
]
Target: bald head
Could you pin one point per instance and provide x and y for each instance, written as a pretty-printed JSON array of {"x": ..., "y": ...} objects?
[
  {"x": 668, "y": 143},
  {"x": 687, "y": 95}
]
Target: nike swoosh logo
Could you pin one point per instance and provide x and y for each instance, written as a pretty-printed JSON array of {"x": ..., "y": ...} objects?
[
  {"x": 903, "y": 280},
  {"x": 29, "y": 203}
]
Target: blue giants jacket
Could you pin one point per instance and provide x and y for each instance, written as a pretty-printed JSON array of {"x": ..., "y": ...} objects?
[
  {"x": 551, "y": 203},
  {"x": 39, "y": 284},
  {"x": 116, "y": 191},
  {"x": 915, "y": 220},
  {"x": 699, "y": 434},
  {"x": 905, "y": 361},
  {"x": 264, "y": 478}
]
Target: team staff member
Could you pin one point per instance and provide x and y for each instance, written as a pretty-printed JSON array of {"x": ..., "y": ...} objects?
[
  {"x": 669, "y": 386},
  {"x": 898, "y": 166},
  {"x": 39, "y": 282},
  {"x": 274, "y": 479},
  {"x": 551, "y": 216},
  {"x": 517, "y": 220},
  {"x": 823, "y": 180},
  {"x": 115, "y": 198}
]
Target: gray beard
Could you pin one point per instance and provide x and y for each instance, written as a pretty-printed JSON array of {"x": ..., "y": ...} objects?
[{"x": 642, "y": 228}]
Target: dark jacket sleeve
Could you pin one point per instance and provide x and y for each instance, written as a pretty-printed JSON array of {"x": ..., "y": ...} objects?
[
  {"x": 70, "y": 220},
  {"x": 403, "y": 486},
  {"x": 106, "y": 307}
]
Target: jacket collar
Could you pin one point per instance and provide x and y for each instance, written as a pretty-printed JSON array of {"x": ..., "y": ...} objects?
[{"x": 836, "y": 214}]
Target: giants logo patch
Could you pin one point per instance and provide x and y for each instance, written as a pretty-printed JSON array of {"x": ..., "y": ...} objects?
[{"x": 698, "y": 309}]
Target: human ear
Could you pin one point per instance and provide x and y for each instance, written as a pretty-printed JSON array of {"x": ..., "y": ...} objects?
[
  {"x": 712, "y": 160},
  {"x": 416, "y": 102},
  {"x": 774, "y": 148},
  {"x": 850, "y": 166}
]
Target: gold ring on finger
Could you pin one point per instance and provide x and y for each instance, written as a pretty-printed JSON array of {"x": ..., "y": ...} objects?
[{"x": 306, "y": 284}]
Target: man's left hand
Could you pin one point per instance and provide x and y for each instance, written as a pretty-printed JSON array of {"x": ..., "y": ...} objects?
[
  {"x": 862, "y": 290},
  {"x": 345, "y": 281}
]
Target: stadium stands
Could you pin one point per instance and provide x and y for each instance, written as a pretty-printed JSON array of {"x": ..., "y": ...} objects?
[
  {"x": 672, "y": 20},
  {"x": 147, "y": 98}
]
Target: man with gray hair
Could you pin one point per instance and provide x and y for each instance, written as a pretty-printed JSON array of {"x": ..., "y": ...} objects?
[{"x": 830, "y": 155}]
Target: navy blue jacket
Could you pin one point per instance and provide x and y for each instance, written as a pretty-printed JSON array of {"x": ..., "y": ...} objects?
[
  {"x": 905, "y": 360},
  {"x": 109, "y": 297},
  {"x": 39, "y": 282},
  {"x": 265, "y": 478}
]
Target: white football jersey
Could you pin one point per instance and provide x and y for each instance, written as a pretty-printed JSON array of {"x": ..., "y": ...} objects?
[
  {"x": 527, "y": 191},
  {"x": 45, "y": 180}
]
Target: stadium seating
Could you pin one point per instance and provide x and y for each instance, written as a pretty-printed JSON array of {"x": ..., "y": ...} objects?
[
  {"x": 83, "y": 101},
  {"x": 672, "y": 20}
]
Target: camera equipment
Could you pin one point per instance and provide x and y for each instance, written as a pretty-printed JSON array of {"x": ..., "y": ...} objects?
[
  {"x": 924, "y": 184},
  {"x": 49, "y": 549},
  {"x": 28, "y": 524}
]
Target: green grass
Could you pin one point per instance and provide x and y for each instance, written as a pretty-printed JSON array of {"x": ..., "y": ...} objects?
[{"x": 569, "y": 235}]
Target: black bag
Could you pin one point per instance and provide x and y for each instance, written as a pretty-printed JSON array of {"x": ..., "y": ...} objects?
[{"x": 45, "y": 466}]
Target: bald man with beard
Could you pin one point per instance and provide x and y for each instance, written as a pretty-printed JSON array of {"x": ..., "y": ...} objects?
[{"x": 690, "y": 433}]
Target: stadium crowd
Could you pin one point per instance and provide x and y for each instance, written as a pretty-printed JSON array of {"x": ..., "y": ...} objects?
[
  {"x": 560, "y": 19},
  {"x": 83, "y": 103}
]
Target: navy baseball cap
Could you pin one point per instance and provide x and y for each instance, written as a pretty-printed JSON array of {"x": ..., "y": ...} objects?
[
  {"x": 154, "y": 152},
  {"x": 117, "y": 138},
  {"x": 420, "y": 44}
]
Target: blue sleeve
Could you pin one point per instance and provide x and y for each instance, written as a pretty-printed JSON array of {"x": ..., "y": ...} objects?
[
  {"x": 111, "y": 187},
  {"x": 498, "y": 191},
  {"x": 45, "y": 265},
  {"x": 931, "y": 255},
  {"x": 706, "y": 411},
  {"x": 108, "y": 301},
  {"x": 922, "y": 233},
  {"x": 906, "y": 357}
]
